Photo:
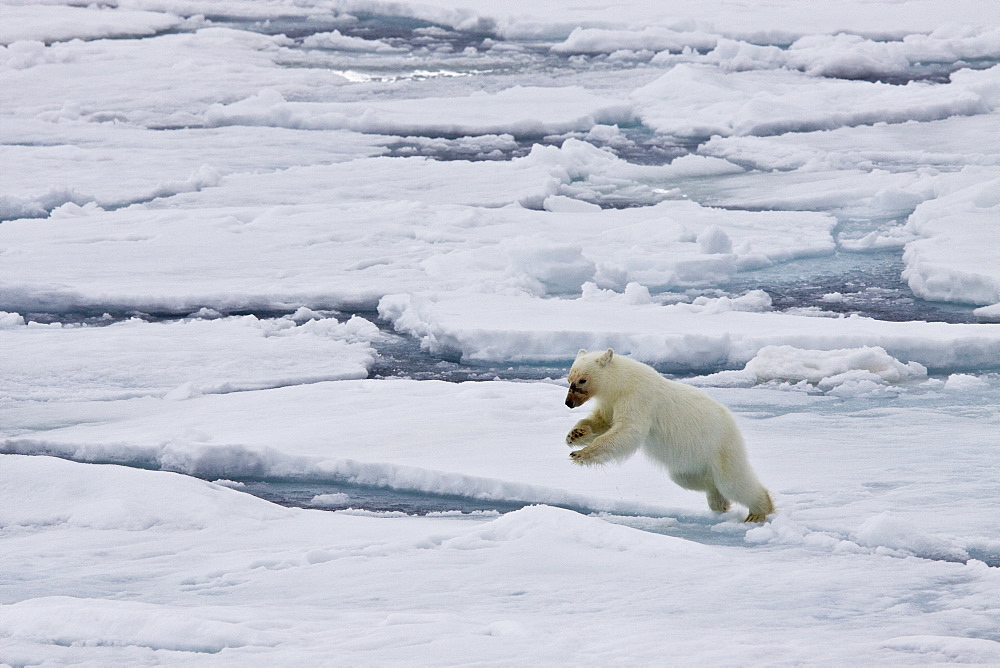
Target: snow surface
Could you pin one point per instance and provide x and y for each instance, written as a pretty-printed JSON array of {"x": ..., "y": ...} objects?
[
  {"x": 703, "y": 335},
  {"x": 247, "y": 242}
]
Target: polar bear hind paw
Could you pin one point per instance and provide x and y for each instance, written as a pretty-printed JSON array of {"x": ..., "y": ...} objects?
[{"x": 756, "y": 518}]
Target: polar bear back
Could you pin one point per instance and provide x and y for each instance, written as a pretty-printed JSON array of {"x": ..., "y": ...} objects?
[{"x": 684, "y": 427}]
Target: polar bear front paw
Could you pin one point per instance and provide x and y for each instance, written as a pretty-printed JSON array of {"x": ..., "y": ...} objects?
[
  {"x": 576, "y": 435},
  {"x": 584, "y": 457}
]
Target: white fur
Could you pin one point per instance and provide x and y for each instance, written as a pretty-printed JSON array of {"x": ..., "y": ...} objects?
[{"x": 676, "y": 425}]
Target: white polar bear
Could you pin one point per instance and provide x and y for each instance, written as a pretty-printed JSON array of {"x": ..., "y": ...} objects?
[{"x": 679, "y": 426}]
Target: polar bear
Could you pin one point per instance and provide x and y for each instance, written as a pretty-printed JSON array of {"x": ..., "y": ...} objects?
[{"x": 676, "y": 425}]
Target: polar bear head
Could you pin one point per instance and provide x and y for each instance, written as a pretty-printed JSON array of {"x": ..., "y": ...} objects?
[{"x": 585, "y": 376}]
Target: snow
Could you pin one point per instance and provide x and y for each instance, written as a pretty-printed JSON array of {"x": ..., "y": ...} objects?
[
  {"x": 698, "y": 101},
  {"x": 22, "y": 25},
  {"x": 135, "y": 358},
  {"x": 845, "y": 372},
  {"x": 965, "y": 269},
  {"x": 163, "y": 256},
  {"x": 697, "y": 337},
  {"x": 200, "y": 568},
  {"x": 520, "y": 111},
  {"x": 263, "y": 248}
]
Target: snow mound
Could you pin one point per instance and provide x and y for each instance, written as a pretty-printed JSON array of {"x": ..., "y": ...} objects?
[
  {"x": 99, "y": 622},
  {"x": 842, "y": 372},
  {"x": 886, "y": 531},
  {"x": 546, "y": 267},
  {"x": 11, "y": 320},
  {"x": 338, "y": 500},
  {"x": 964, "y": 382},
  {"x": 699, "y": 101},
  {"x": 703, "y": 336},
  {"x": 117, "y": 498},
  {"x": 651, "y": 38},
  {"x": 549, "y": 525},
  {"x": 956, "y": 257},
  {"x": 50, "y": 23},
  {"x": 948, "y": 649},
  {"x": 635, "y": 293},
  {"x": 851, "y": 56},
  {"x": 335, "y": 40},
  {"x": 825, "y": 366},
  {"x": 519, "y": 111},
  {"x": 989, "y": 313},
  {"x": 179, "y": 359}
]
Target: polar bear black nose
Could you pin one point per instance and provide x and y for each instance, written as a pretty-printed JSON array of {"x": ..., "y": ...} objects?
[{"x": 569, "y": 402}]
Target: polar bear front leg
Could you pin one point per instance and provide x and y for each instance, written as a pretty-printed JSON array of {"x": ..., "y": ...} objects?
[
  {"x": 618, "y": 443},
  {"x": 585, "y": 431}
]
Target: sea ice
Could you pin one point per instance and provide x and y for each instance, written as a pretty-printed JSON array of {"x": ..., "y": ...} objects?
[
  {"x": 688, "y": 338},
  {"x": 697, "y": 183},
  {"x": 184, "y": 358}
]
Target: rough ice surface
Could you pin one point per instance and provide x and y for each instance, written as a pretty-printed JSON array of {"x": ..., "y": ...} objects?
[
  {"x": 339, "y": 255},
  {"x": 700, "y": 336}
]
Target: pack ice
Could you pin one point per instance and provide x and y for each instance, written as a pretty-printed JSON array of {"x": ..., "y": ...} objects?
[{"x": 288, "y": 290}]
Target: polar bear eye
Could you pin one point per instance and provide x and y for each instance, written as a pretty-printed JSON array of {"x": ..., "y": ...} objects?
[{"x": 582, "y": 381}]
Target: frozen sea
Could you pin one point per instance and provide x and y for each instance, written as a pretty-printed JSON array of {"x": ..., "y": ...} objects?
[{"x": 288, "y": 289}]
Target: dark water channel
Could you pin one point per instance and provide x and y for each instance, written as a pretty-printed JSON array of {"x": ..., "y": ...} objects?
[{"x": 332, "y": 495}]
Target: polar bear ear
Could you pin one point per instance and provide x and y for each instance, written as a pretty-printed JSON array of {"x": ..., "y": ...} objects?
[
  {"x": 581, "y": 353},
  {"x": 606, "y": 357}
]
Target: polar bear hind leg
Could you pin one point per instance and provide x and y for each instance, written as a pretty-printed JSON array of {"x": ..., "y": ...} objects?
[
  {"x": 716, "y": 501},
  {"x": 703, "y": 482},
  {"x": 744, "y": 488}
]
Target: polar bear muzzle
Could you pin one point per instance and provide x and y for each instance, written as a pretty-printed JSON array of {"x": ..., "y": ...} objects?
[{"x": 576, "y": 396}]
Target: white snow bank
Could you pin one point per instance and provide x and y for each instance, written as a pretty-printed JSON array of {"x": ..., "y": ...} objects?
[
  {"x": 650, "y": 38},
  {"x": 68, "y": 620},
  {"x": 738, "y": 19},
  {"x": 123, "y": 504},
  {"x": 11, "y": 320},
  {"x": 163, "y": 81},
  {"x": 885, "y": 534},
  {"x": 889, "y": 531},
  {"x": 554, "y": 174},
  {"x": 947, "y": 649},
  {"x": 369, "y": 589},
  {"x": 963, "y": 382},
  {"x": 852, "y": 56},
  {"x": 844, "y": 372},
  {"x": 337, "y": 41},
  {"x": 56, "y": 161},
  {"x": 179, "y": 359},
  {"x": 376, "y": 433},
  {"x": 700, "y": 101},
  {"x": 519, "y": 111},
  {"x": 843, "y": 55},
  {"x": 957, "y": 257},
  {"x": 787, "y": 363},
  {"x": 339, "y": 500},
  {"x": 55, "y": 23},
  {"x": 505, "y": 441},
  {"x": 702, "y": 336},
  {"x": 988, "y": 313},
  {"x": 948, "y": 143},
  {"x": 326, "y": 237}
]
